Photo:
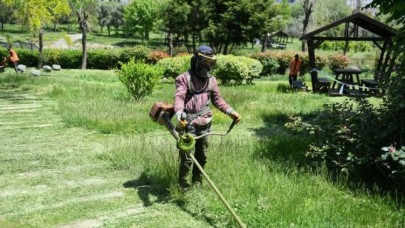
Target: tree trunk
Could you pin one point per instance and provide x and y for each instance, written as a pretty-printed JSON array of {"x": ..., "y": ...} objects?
[
  {"x": 264, "y": 43},
  {"x": 82, "y": 17},
  {"x": 346, "y": 47},
  {"x": 307, "y": 5},
  {"x": 41, "y": 47},
  {"x": 84, "y": 50},
  {"x": 193, "y": 41},
  {"x": 170, "y": 44},
  {"x": 304, "y": 31},
  {"x": 225, "y": 49}
]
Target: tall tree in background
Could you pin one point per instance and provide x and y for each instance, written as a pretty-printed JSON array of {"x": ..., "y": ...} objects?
[
  {"x": 38, "y": 13},
  {"x": 83, "y": 9},
  {"x": 6, "y": 14},
  {"x": 173, "y": 21},
  {"x": 237, "y": 23},
  {"x": 140, "y": 17},
  {"x": 308, "y": 6},
  {"x": 110, "y": 16}
]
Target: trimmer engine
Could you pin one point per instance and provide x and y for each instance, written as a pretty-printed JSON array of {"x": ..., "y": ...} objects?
[{"x": 159, "y": 109}]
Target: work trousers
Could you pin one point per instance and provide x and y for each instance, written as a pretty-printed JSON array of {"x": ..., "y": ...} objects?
[
  {"x": 199, "y": 152},
  {"x": 292, "y": 78}
]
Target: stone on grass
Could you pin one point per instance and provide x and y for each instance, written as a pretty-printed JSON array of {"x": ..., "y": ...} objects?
[
  {"x": 56, "y": 67},
  {"x": 47, "y": 68},
  {"x": 35, "y": 72},
  {"x": 21, "y": 67}
]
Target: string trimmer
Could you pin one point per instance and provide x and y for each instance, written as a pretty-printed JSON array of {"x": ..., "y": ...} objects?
[{"x": 162, "y": 113}]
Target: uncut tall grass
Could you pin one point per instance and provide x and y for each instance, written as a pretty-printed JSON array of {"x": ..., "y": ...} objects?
[{"x": 259, "y": 167}]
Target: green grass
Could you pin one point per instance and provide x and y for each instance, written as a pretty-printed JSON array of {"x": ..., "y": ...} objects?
[{"x": 77, "y": 149}]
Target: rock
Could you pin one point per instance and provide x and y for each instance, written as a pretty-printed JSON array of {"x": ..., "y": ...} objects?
[
  {"x": 47, "y": 68},
  {"x": 35, "y": 72},
  {"x": 56, "y": 67},
  {"x": 21, "y": 67}
]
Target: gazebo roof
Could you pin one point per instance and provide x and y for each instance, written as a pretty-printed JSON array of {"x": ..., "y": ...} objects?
[
  {"x": 280, "y": 33},
  {"x": 360, "y": 20}
]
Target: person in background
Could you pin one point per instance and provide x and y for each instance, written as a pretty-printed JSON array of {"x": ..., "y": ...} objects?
[
  {"x": 295, "y": 67},
  {"x": 195, "y": 90},
  {"x": 13, "y": 58}
]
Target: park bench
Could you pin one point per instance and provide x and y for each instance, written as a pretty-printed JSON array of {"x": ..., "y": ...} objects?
[
  {"x": 372, "y": 85},
  {"x": 322, "y": 85}
]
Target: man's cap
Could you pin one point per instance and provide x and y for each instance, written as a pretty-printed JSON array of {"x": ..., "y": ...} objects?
[{"x": 205, "y": 50}]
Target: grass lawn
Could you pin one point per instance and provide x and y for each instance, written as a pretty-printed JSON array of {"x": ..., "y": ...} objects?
[{"x": 78, "y": 151}]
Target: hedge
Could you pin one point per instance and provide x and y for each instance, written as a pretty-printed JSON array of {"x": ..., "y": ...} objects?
[{"x": 72, "y": 58}]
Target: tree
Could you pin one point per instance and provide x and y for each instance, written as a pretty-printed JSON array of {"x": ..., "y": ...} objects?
[
  {"x": 110, "y": 16},
  {"x": 328, "y": 11},
  {"x": 237, "y": 23},
  {"x": 83, "y": 9},
  {"x": 395, "y": 11},
  {"x": 38, "y": 13},
  {"x": 173, "y": 21},
  {"x": 6, "y": 14},
  {"x": 307, "y": 5},
  {"x": 140, "y": 17}
]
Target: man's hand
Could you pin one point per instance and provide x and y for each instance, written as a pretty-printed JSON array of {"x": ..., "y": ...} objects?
[
  {"x": 181, "y": 120},
  {"x": 181, "y": 124},
  {"x": 235, "y": 116}
]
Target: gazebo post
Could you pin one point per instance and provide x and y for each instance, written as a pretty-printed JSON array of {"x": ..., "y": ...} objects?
[{"x": 311, "y": 56}]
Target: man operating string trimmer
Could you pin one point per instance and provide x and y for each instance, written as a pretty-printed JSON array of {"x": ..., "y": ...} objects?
[{"x": 195, "y": 90}]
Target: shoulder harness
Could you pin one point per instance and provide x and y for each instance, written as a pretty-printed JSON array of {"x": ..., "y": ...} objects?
[{"x": 192, "y": 92}]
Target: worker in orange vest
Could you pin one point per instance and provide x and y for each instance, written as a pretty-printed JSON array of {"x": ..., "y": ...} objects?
[
  {"x": 13, "y": 58},
  {"x": 295, "y": 67}
]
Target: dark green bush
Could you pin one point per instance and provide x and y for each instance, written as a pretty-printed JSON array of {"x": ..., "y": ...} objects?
[
  {"x": 103, "y": 59},
  {"x": 68, "y": 59},
  {"x": 72, "y": 58},
  {"x": 361, "y": 139}
]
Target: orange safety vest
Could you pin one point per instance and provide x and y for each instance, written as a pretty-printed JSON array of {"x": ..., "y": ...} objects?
[
  {"x": 13, "y": 56},
  {"x": 295, "y": 67}
]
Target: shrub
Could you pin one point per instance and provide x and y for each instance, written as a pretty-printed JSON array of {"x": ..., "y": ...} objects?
[
  {"x": 338, "y": 61},
  {"x": 28, "y": 57},
  {"x": 138, "y": 53},
  {"x": 278, "y": 61},
  {"x": 174, "y": 66},
  {"x": 70, "y": 59},
  {"x": 231, "y": 69},
  {"x": 269, "y": 63},
  {"x": 155, "y": 56},
  {"x": 139, "y": 78},
  {"x": 255, "y": 67},
  {"x": 352, "y": 137},
  {"x": 102, "y": 59}
]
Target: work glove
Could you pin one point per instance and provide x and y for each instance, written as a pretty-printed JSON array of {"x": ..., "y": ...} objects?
[
  {"x": 235, "y": 116},
  {"x": 181, "y": 121}
]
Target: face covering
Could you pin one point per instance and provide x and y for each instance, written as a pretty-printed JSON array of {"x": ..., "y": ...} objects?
[{"x": 204, "y": 65}]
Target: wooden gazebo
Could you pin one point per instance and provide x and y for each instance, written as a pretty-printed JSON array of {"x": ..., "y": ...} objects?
[
  {"x": 379, "y": 33},
  {"x": 278, "y": 40}
]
